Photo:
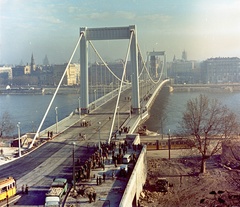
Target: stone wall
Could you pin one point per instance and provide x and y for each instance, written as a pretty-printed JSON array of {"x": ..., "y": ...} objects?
[{"x": 136, "y": 181}]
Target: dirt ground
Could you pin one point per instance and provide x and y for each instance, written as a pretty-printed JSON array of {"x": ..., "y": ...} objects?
[{"x": 219, "y": 186}]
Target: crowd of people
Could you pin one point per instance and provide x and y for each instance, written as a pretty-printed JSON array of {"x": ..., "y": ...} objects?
[{"x": 109, "y": 153}]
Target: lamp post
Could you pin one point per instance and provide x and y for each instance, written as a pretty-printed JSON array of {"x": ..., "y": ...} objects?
[
  {"x": 99, "y": 144},
  {"x": 56, "y": 119},
  {"x": 95, "y": 95},
  {"x": 169, "y": 144},
  {"x": 118, "y": 117},
  {"x": 79, "y": 109},
  {"x": 74, "y": 180},
  {"x": 19, "y": 140},
  {"x": 104, "y": 199}
]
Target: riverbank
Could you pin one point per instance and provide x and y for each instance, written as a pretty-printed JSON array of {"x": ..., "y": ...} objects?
[
  {"x": 206, "y": 87},
  {"x": 39, "y": 91},
  {"x": 45, "y": 90}
]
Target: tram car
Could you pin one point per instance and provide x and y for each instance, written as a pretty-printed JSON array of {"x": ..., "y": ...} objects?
[
  {"x": 175, "y": 143},
  {"x": 8, "y": 188}
]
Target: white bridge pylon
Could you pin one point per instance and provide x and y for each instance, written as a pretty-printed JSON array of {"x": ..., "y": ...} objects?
[
  {"x": 155, "y": 54},
  {"x": 108, "y": 33}
]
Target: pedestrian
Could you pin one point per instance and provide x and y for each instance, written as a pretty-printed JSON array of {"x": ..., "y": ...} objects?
[
  {"x": 100, "y": 180},
  {"x": 94, "y": 196},
  {"x": 104, "y": 177},
  {"x": 22, "y": 189},
  {"x": 89, "y": 197},
  {"x": 97, "y": 180},
  {"x": 26, "y": 189}
]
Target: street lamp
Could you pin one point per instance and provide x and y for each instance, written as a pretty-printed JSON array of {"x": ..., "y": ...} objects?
[
  {"x": 169, "y": 144},
  {"x": 19, "y": 140},
  {"x": 104, "y": 199},
  {"x": 99, "y": 144},
  {"x": 118, "y": 117},
  {"x": 56, "y": 119},
  {"x": 95, "y": 95},
  {"x": 79, "y": 109},
  {"x": 74, "y": 180}
]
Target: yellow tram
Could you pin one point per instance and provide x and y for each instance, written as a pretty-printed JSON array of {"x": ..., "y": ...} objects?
[
  {"x": 176, "y": 143},
  {"x": 8, "y": 188}
]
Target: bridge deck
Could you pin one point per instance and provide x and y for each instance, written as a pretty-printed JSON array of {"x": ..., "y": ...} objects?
[{"x": 54, "y": 158}]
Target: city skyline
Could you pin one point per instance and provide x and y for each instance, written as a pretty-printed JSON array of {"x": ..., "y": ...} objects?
[{"x": 204, "y": 29}]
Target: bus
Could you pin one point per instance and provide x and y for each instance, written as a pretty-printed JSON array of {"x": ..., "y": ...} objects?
[{"x": 8, "y": 188}]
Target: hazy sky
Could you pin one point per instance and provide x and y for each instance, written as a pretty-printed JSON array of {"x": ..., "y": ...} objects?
[{"x": 204, "y": 28}]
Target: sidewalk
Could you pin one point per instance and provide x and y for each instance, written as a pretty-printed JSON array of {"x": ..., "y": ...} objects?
[
  {"x": 110, "y": 191},
  {"x": 10, "y": 152}
]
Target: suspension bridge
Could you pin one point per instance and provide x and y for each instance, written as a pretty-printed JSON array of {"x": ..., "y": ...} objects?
[
  {"x": 143, "y": 77},
  {"x": 127, "y": 95}
]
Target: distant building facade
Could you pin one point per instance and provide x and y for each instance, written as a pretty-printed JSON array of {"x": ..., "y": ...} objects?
[
  {"x": 18, "y": 70},
  {"x": 72, "y": 76},
  {"x": 182, "y": 70},
  {"x": 6, "y": 72},
  {"x": 99, "y": 73},
  {"x": 221, "y": 70}
]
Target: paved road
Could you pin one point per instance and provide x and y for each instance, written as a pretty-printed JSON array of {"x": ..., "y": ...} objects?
[{"x": 37, "y": 169}]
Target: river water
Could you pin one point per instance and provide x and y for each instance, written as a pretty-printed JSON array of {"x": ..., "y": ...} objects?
[{"x": 167, "y": 109}]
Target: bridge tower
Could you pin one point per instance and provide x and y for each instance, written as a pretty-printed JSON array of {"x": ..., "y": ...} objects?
[
  {"x": 108, "y": 33},
  {"x": 151, "y": 63}
]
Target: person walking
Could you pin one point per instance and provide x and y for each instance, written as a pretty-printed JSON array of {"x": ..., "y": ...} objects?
[
  {"x": 26, "y": 189},
  {"x": 104, "y": 177}
]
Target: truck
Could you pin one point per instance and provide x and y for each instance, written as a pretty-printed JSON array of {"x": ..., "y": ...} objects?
[{"x": 58, "y": 187}]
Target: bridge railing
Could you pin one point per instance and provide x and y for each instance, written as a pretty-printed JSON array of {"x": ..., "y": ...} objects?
[
  {"x": 102, "y": 100},
  {"x": 156, "y": 91}
]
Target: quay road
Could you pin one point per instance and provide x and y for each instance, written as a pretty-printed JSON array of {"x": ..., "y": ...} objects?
[{"x": 54, "y": 159}]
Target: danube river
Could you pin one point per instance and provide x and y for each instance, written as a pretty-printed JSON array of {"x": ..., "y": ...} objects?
[
  {"x": 168, "y": 107},
  {"x": 29, "y": 109}
]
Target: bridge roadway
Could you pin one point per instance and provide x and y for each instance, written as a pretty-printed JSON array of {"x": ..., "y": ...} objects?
[{"x": 54, "y": 158}]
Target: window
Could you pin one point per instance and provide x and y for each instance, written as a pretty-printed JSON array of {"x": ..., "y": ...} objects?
[{"x": 4, "y": 189}]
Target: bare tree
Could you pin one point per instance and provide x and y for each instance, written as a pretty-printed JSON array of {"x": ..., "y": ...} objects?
[
  {"x": 209, "y": 123},
  {"x": 6, "y": 125}
]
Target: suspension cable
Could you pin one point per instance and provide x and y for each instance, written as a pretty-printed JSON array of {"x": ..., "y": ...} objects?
[
  {"x": 106, "y": 63},
  {"x": 120, "y": 88},
  {"x": 147, "y": 69},
  {"x": 54, "y": 95}
]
